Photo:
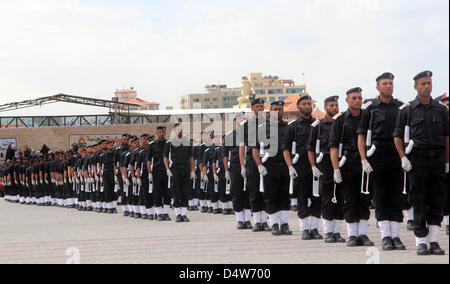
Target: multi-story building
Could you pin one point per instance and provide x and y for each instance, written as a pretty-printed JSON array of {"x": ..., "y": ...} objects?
[
  {"x": 215, "y": 97},
  {"x": 130, "y": 96},
  {"x": 270, "y": 88}
]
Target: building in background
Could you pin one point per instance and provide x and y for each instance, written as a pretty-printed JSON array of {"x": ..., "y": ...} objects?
[
  {"x": 270, "y": 88},
  {"x": 130, "y": 96},
  {"x": 215, "y": 97}
]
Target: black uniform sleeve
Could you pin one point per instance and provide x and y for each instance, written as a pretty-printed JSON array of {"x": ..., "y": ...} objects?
[
  {"x": 167, "y": 149},
  {"x": 314, "y": 132},
  {"x": 336, "y": 133},
  {"x": 364, "y": 123},
  {"x": 399, "y": 130},
  {"x": 288, "y": 137}
]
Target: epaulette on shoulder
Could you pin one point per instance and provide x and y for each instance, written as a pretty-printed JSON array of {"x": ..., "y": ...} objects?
[
  {"x": 441, "y": 103},
  {"x": 168, "y": 141},
  {"x": 315, "y": 123},
  {"x": 291, "y": 122},
  {"x": 243, "y": 122},
  {"x": 403, "y": 106},
  {"x": 141, "y": 151},
  {"x": 366, "y": 105},
  {"x": 337, "y": 116},
  {"x": 207, "y": 150},
  {"x": 117, "y": 149},
  {"x": 151, "y": 143}
]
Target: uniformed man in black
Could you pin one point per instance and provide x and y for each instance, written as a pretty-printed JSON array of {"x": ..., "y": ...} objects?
[
  {"x": 384, "y": 167},
  {"x": 247, "y": 137},
  {"x": 136, "y": 201},
  {"x": 219, "y": 176},
  {"x": 268, "y": 156},
  {"x": 320, "y": 160},
  {"x": 199, "y": 153},
  {"x": 427, "y": 164},
  {"x": 444, "y": 100},
  {"x": 198, "y": 194},
  {"x": 128, "y": 184},
  {"x": 232, "y": 165},
  {"x": 208, "y": 174},
  {"x": 344, "y": 136},
  {"x": 124, "y": 147},
  {"x": 179, "y": 163},
  {"x": 107, "y": 177},
  {"x": 158, "y": 176},
  {"x": 145, "y": 197},
  {"x": 298, "y": 131}
]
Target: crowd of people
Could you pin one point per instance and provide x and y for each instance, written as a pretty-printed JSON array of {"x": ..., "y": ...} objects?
[{"x": 384, "y": 152}]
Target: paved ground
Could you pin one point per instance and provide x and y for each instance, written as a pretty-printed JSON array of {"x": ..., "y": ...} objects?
[{"x": 30, "y": 234}]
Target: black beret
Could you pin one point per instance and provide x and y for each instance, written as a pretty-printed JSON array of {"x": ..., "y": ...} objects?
[
  {"x": 110, "y": 142},
  {"x": 304, "y": 97},
  {"x": 258, "y": 101},
  {"x": 354, "y": 90},
  {"x": 332, "y": 99},
  {"x": 423, "y": 74},
  {"x": 126, "y": 135},
  {"x": 151, "y": 137},
  {"x": 386, "y": 75},
  {"x": 177, "y": 125},
  {"x": 161, "y": 128},
  {"x": 442, "y": 98},
  {"x": 278, "y": 103},
  {"x": 145, "y": 135}
]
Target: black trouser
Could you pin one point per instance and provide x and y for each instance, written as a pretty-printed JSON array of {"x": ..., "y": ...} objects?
[
  {"x": 161, "y": 194},
  {"x": 303, "y": 188},
  {"x": 445, "y": 209},
  {"x": 405, "y": 197},
  {"x": 255, "y": 196},
  {"x": 199, "y": 193},
  {"x": 239, "y": 197},
  {"x": 330, "y": 211},
  {"x": 108, "y": 185},
  {"x": 427, "y": 194},
  {"x": 181, "y": 185},
  {"x": 223, "y": 197},
  {"x": 387, "y": 178},
  {"x": 213, "y": 196},
  {"x": 276, "y": 188},
  {"x": 145, "y": 198},
  {"x": 356, "y": 206}
]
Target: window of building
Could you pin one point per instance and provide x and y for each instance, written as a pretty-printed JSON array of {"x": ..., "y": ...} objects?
[
  {"x": 260, "y": 92},
  {"x": 196, "y": 100},
  {"x": 215, "y": 100},
  {"x": 206, "y": 100},
  {"x": 282, "y": 98},
  {"x": 275, "y": 91},
  {"x": 295, "y": 91},
  {"x": 271, "y": 99}
]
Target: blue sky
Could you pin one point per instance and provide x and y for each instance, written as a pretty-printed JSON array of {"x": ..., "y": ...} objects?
[{"x": 170, "y": 48}]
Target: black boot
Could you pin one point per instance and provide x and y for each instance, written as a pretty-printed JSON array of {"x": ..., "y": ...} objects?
[
  {"x": 258, "y": 228},
  {"x": 337, "y": 237},
  {"x": 186, "y": 219},
  {"x": 179, "y": 219},
  {"x": 210, "y": 210},
  {"x": 266, "y": 227},
  {"x": 398, "y": 245},
  {"x": 435, "y": 249},
  {"x": 352, "y": 241},
  {"x": 240, "y": 226},
  {"x": 114, "y": 211},
  {"x": 422, "y": 249},
  {"x": 329, "y": 238},
  {"x": 315, "y": 235},
  {"x": 151, "y": 217},
  {"x": 295, "y": 208},
  {"x": 276, "y": 230},
  {"x": 387, "y": 243},
  {"x": 365, "y": 241},
  {"x": 138, "y": 216},
  {"x": 167, "y": 217},
  {"x": 216, "y": 211},
  {"x": 410, "y": 225},
  {"x": 145, "y": 217},
  {"x": 306, "y": 235},
  {"x": 131, "y": 214},
  {"x": 285, "y": 230},
  {"x": 160, "y": 218},
  {"x": 126, "y": 214},
  {"x": 204, "y": 209},
  {"x": 248, "y": 225},
  {"x": 446, "y": 229}
]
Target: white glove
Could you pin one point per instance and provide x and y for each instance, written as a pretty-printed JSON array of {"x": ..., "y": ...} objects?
[
  {"x": 77, "y": 180},
  {"x": 292, "y": 172},
  {"x": 97, "y": 179},
  {"x": 101, "y": 179},
  {"x": 316, "y": 172},
  {"x": 46, "y": 181},
  {"x": 337, "y": 176},
  {"x": 126, "y": 180},
  {"x": 243, "y": 172},
  {"x": 216, "y": 178},
  {"x": 262, "y": 170},
  {"x": 150, "y": 177},
  {"x": 406, "y": 165},
  {"x": 205, "y": 178},
  {"x": 116, "y": 179},
  {"x": 169, "y": 173},
  {"x": 53, "y": 180},
  {"x": 41, "y": 181},
  {"x": 134, "y": 180},
  {"x": 65, "y": 180},
  {"x": 193, "y": 176},
  {"x": 446, "y": 168},
  {"x": 32, "y": 182},
  {"x": 70, "y": 180},
  {"x": 227, "y": 176},
  {"x": 367, "y": 168},
  {"x": 139, "y": 182}
]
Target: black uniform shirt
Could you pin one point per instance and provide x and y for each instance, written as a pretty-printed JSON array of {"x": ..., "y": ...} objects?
[
  {"x": 324, "y": 129},
  {"x": 429, "y": 124},
  {"x": 231, "y": 148},
  {"x": 384, "y": 117},
  {"x": 181, "y": 150},
  {"x": 344, "y": 129},
  {"x": 156, "y": 152},
  {"x": 250, "y": 136},
  {"x": 107, "y": 161},
  {"x": 275, "y": 157},
  {"x": 298, "y": 131}
]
